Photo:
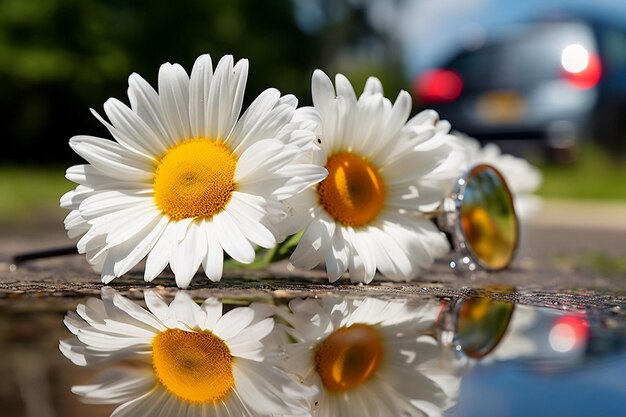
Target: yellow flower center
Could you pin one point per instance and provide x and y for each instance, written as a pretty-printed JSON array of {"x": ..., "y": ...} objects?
[
  {"x": 349, "y": 357},
  {"x": 195, "y": 179},
  {"x": 354, "y": 192},
  {"x": 195, "y": 366}
]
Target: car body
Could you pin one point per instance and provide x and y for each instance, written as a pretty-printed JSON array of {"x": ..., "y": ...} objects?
[{"x": 536, "y": 86}]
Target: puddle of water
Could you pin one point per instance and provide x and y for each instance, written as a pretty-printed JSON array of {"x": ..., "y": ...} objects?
[{"x": 472, "y": 356}]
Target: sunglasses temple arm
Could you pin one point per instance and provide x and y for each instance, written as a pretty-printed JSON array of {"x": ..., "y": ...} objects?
[{"x": 45, "y": 253}]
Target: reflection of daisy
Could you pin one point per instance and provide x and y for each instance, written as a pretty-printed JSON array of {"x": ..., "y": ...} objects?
[
  {"x": 365, "y": 213},
  {"x": 185, "y": 181},
  {"x": 190, "y": 360},
  {"x": 369, "y": 357},
  {"x": 522, "y": 178}
]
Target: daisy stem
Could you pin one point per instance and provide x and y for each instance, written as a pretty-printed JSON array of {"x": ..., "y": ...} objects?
[
  {"x": 284, "y": 249},
  {"x": 44, "y": 253}
]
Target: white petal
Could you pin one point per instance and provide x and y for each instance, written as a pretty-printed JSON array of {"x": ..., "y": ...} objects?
[
  {"x": 159, "y": 257},
  {"x": 232, "y": 239},
  {"x": 263, "y": 157},
  {"x": 314, "y": 243},
  {"x": 213, "y": 311},
  {"x": 185, "y": 309},
  {"x": 361, "y": 243},
  {"x": 145, "y": 101},
  {"x": 157, "y": 306},
  {"x": 247, "y": 343},
  {"x": 251, "y": 122},
  {"x": 140, "y": 249},
  {"x": 373, "y": 86},
  {"x": 345, "y": 89},
  {"x": 106, "y": 202},
  {"x": 188, "y": 254},
  {"x": 115, "y": 386},
  {"x": 336, "y": 258},
  {"x": 87, "y": 175},
  {"x": 270, "y": 390},
  {"x": 113, "y": 159},
  {"x": 129, "y": 307},
  {"x": 213, "y": 263},
  {"x": 322, "y": 92},
  {"x": 225, "y": 97},
  {"x": 127, "y": 223},
  {"x": 392, "y": 261},
  {"x": 273, "y": 125},
  {"x": 299, "y": 177},
  {"x": 199, "y": 87},
  {"x": 131, "y": 131},
  {"x": 174, "y": 97},
  {"x": 233, "y": 322},
  {"x": 250, "y": 224}
]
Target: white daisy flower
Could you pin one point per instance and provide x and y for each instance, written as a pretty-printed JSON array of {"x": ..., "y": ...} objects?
[
  {"x": 186, "y": 179},
  {"x": 180, "y": 360},
  {"x": 368, "y": 357},
  {"x": 522, "y": 178},
  {"x": 365, "y": 215}
]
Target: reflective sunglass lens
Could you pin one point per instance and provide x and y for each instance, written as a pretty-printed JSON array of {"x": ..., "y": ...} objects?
[{"x": 488, "y": 218}]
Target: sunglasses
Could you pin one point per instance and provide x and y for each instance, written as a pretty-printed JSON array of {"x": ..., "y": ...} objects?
[
  {"x": 478, "y": 218},
  {"x": 480, "y": 221}
]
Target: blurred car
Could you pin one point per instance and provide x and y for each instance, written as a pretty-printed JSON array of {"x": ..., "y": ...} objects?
[{"x": 538, "y": 86}]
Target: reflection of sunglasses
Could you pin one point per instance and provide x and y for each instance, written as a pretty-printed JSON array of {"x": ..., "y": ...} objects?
[
  {"x": 480, "y": 221},
  {"x": 474, "y": 326},
  {"x": 478, "y": 218}
]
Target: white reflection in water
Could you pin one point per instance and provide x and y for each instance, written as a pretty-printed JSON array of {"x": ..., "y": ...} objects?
[
  {"x": 315, "y": 357},
  {"x": 181, "y": 359},
  {"x": 368, "y": 357},
  {"x": 318, "y": 357}
]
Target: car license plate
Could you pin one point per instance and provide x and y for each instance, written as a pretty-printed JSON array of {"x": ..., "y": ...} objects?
[{"x": 501, "y": 107}]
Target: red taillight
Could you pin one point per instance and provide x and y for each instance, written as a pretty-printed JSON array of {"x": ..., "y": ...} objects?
[
  {"x": 580, "y": 67},
  {"x": 438, "y": 85}
]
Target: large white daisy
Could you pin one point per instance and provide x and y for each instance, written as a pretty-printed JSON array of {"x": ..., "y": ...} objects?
[
  {"x": 186, "y": 179},
  {"x": 368, "y": 357},
  {"x": 365, "y": 215},
  {"x": 180, "y": 360}
]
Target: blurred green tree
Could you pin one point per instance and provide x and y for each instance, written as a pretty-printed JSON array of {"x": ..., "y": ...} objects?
[{"x": 58, "y": 58}]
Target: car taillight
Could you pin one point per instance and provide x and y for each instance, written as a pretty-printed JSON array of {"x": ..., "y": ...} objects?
[
  {"x": 580, "y": 67},
  {"x": 438, "y": 85}
]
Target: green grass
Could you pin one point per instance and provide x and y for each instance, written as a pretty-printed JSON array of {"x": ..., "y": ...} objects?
[
  {"x": 594, "y": 176},
  {"x": 25, "y": 190},
  {"x": 606, "y": 265}
]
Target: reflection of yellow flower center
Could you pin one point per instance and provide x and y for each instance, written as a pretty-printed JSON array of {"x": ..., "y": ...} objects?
[
  {"x": 349, "y": 357},
  {"x": 354, "y": 192},
  {"x": 195, "y": 366},
  {"x": 195, "y": 179}
]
